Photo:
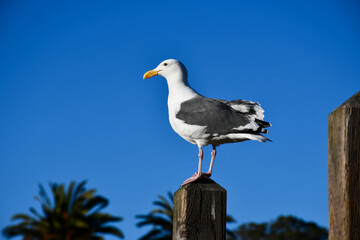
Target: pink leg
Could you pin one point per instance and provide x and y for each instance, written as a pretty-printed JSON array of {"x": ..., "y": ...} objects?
[
  {"x": 201, "y": 154},
  {"x": 197, "y": 175},
  {"x": 213, "y": 155}
]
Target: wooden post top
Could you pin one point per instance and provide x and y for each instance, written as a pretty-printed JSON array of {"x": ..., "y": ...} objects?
[
  {"x": 353, "y": 102},
  {"x": 200, "y": 211},
  {"x": 203, "y": 183}
]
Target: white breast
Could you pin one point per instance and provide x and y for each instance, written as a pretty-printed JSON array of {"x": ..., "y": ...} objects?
[{"x": 191, "y": 133}]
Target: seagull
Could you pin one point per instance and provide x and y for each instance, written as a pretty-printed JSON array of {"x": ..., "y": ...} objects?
[{"x": 203, "y": 121}]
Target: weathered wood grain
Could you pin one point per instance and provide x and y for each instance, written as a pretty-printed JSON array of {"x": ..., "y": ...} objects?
[
  {"x": 344, "y": 171},
  {"x": 200, "y": 211}
]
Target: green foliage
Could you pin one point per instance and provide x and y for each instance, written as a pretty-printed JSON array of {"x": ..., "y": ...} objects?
[
  {"x": 284, "y": 228},
  {"x": 230, "y": 235},
  {"x": 161, "y": 219},
  {"x": 73, "y": 214}
]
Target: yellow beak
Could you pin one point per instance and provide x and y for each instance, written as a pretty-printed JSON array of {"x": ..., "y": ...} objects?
[{"x": 150, "y": 74}]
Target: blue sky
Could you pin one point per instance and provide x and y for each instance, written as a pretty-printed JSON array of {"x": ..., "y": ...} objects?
[{"x": 74, "y": 106}]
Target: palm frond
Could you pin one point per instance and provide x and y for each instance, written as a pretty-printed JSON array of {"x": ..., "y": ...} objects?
[
  {"x": 171, "y": 197},
  {"x": 151, "y": 234},
  {"x": 230, "y": 219},
  {"x": 162, "y": 211},
  {"x": 164, "y": 202},
  {"x": 44, "y": 197},
  {"x": 163, "y": 205},
  {"x": 24, "y": 217},
  {"x": 74, "y": 213},
  {"x": 155, "y": 221},
  {"x": 69, "y": 195},
  {"x": 79, "y": 189},
  {"x": 111, "y": 230},
  {"x": 97, "y": 201},
  {"x": 33, "y": 211}
]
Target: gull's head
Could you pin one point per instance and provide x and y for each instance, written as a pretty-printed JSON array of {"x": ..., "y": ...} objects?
[{"x": 168, "y": 69}]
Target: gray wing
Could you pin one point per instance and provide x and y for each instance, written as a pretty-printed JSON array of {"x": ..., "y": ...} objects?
[{"x": 217, "y": 116}]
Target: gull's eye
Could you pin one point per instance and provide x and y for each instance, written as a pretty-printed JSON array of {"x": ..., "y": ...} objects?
[{"x": 165, "y": 64}]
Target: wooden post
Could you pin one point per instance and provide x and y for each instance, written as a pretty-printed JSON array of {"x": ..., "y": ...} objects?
[
  {"x": 200, "y": 211},
  {"x": 344, "y": 171}
]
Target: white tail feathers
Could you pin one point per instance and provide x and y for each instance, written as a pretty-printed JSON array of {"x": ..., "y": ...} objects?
[{"x": 252, "y": 109}]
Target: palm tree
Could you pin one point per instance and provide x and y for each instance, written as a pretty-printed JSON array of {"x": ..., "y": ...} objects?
[
  {"x": 73, "y": 214},
  {"x": 162, "y": 220}
]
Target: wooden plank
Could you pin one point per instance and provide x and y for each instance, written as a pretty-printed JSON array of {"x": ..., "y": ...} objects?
[
  {"x": 200, "y": 211},
  {"x": 344, "y": 171}
]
